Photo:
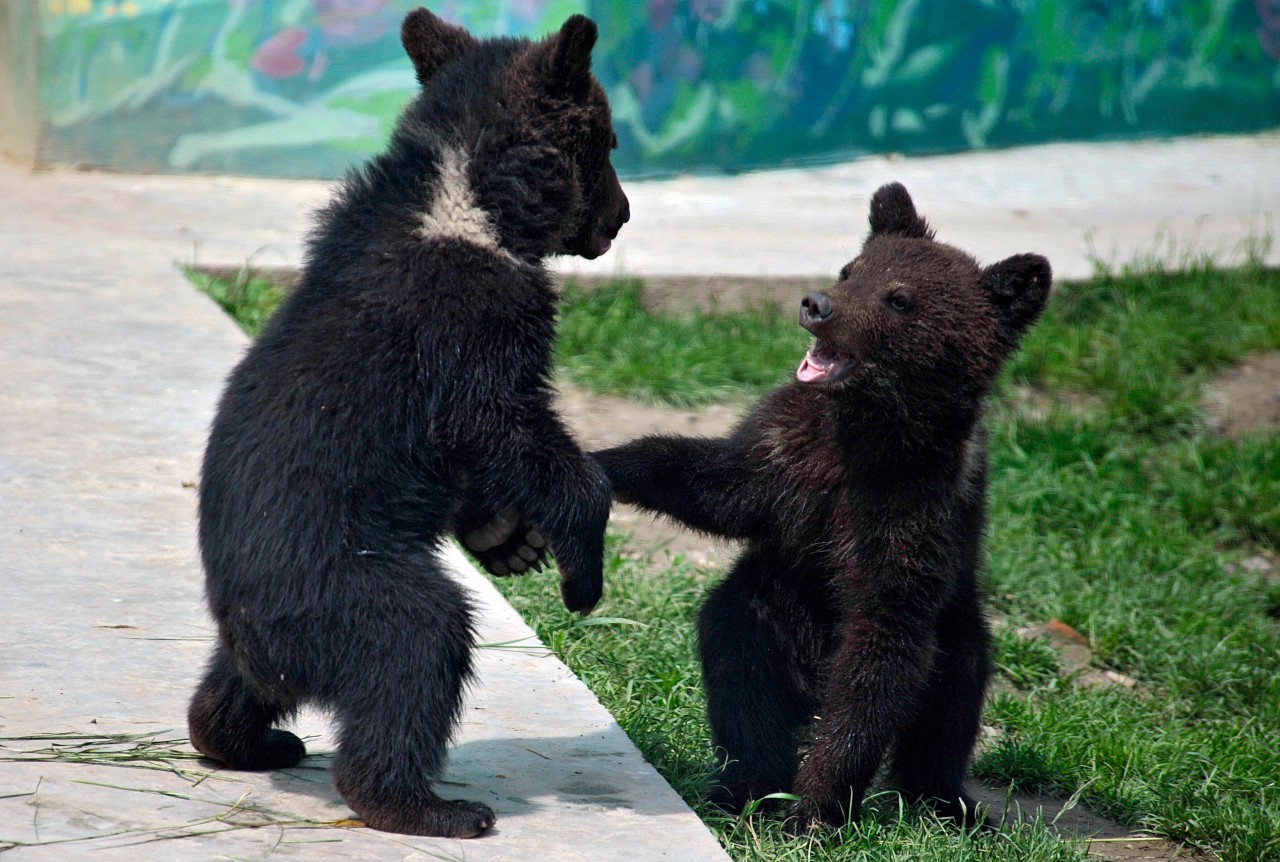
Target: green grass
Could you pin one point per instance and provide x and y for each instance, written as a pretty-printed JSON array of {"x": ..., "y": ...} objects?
[
  {"x": 247, "y": 298},
  {"x": 1113, "y": 510},
  {"x": 1123, "y": 537},
  {"x": 610, "y": 344},
  {"x": 1145, "y": 342},
  {"x": 1141, "y": 342}
]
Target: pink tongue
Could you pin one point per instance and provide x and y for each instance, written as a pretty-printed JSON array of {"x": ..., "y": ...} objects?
[
  {"x": 605, "y": 245},
  {"x": 809, "y": 371}
]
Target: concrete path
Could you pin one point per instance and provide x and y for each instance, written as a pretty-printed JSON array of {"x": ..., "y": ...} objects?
[
  {"x": 110, "y": 364},
  {"x": 1074, "y": 203}
]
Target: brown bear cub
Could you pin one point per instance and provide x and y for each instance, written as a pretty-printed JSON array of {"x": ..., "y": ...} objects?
[
  {"x": 399, "y": 396},
  {"x": 860, "y": 492}
]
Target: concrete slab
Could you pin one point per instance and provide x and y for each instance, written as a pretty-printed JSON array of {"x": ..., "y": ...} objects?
[
  {"x": 110, "y": 365},
  {"x": 534, "y": 744},
  {"x": 1079, "y": 204}
]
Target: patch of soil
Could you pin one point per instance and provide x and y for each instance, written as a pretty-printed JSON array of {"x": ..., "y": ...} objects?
[
  {"x": 1264, "y": 562},
  {"x": 1141, "y": 848},
  {"x": 600, "y": 421},
  {"x": 1038, "y": 404},
  {"x": 1076, "y": 656},
  {"x": 1246, "y": 397},
  {"x": 1106, "y": 840}
]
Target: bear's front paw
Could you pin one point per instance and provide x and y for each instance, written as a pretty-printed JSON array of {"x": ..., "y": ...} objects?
[
  {"x": 581, "y": 595},
  {"x": 524, "y": 551},
  {"x": 508, "y": 545}
]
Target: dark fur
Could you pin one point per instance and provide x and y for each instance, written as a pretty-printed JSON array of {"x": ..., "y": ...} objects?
[
  {"x": 399, "y": 395},
  {"x": 853, "y": 611}
]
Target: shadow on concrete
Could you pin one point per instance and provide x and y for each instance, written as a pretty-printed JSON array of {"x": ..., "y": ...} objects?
[{"x": 516, "y": 776}]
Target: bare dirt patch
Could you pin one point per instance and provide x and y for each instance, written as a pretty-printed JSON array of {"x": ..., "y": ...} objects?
[
  {"x": 1246, "y": 398},
  {"x": 1105, "y": 839},
  {"x": 1142, "y": 849},
  {"x": 1038, "y": 404},
  {"x": 1264, "y": 562},
  {"x": 600, "y": 421},
  {"x": 1076, "y": 656}
]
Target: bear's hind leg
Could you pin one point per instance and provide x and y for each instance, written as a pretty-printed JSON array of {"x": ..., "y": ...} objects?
[
  {"x": 754, "y": 638},
  {"x": 230, "y": 722},
  {"x": 932, "y": 754},
  {"x": 397, "y": 699}
]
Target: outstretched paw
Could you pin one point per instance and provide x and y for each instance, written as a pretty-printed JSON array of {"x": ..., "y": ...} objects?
[{"x": 508, "y": 545}]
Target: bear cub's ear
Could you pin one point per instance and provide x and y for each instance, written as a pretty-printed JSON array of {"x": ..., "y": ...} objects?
[
  {"x": 432, "y": 43},
  {"x": 569, "y": 52},
  {"x": 1019, "y": 287},
  {"x": 893, "y": 213}
]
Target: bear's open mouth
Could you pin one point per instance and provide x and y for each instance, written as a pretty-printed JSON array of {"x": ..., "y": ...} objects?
[{"x": 823, "y": 364}]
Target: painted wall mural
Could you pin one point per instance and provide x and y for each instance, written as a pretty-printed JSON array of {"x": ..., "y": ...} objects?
[{"x": 306, "y": 87}]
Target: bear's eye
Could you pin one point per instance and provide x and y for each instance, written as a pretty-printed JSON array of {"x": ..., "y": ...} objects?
[{"x": 900, "y": 302}]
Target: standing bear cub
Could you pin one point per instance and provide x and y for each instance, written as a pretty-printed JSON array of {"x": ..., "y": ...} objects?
[
  {"x": 401, "y": 395},
  {"x": 860, "y": 491}
]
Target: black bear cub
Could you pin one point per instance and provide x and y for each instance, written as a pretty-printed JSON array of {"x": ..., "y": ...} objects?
[
  {"x": 401, "y": 395},
  {"x": 860, "y": 492}
]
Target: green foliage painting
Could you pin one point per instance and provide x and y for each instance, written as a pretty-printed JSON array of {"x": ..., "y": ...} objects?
[{"x": 305, "y": 87}]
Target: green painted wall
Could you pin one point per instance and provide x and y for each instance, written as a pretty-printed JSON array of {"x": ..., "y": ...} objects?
[
  {"x": 19, "y": 79},
  {"x": 304, "y": 87}
]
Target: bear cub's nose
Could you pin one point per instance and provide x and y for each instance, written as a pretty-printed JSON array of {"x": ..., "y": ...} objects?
[{"x": 815, "y": 308}]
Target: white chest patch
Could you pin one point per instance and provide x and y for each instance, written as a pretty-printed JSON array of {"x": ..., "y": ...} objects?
[{"x": 455, "y": 212}]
